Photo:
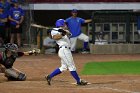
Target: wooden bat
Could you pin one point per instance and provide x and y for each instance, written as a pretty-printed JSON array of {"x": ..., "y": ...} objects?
[{"x": 39, "y": 26}]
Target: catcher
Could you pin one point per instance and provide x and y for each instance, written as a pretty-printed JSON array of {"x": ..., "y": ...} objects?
[{"x": 7, "y": 59}]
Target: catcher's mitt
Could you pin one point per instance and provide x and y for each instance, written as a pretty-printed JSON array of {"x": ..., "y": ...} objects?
[
  {"x": 33, "y": 51},
  {"x": 36, "y": 51}
]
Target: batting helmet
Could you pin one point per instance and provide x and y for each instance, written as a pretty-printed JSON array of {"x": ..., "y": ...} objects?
[
  {"x": 60, "y": 23},
  {"x": 11, "y": 47}
]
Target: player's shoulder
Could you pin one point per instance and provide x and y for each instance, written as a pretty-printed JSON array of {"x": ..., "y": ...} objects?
[
  {"x": 20, "y": 9},
  {"x": 67, "y": 19},
  {"x": 79, "y": 18}
]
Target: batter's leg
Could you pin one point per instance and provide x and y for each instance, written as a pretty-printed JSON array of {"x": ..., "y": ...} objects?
[
  {"x": 75, "y": 76},
  {"x": 58, "y": 70},
  {"x": 68, "y": 60},
  {"x": 54, "y": 73}
]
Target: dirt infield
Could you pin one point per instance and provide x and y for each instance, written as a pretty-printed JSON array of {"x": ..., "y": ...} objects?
[{"x": 36, "y": 67}]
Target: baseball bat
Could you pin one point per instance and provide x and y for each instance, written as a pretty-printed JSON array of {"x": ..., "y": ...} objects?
[{"x": 39, "y": 26}]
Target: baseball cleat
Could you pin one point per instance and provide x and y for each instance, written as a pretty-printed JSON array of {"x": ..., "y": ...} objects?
[
  {"x": 85, "y": 51},
  {"x": 82, "y": 83},
  {"x": 48, "y": 79}
]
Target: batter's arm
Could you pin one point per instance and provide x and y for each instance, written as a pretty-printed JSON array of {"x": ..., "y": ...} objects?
[{"x": 57, "y": 36}]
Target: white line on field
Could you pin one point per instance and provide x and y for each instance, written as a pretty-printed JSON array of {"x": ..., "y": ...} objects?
[{"x": 119, "y": 90}]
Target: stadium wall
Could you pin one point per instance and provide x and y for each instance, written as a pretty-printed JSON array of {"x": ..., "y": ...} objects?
[{"x": 115, "y": 49}]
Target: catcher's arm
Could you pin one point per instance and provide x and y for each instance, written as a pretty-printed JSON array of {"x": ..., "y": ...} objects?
[{"x": 34, "y": 51}]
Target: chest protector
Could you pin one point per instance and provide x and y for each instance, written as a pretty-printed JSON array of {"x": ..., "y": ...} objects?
[{"x": 8, "y": 61}]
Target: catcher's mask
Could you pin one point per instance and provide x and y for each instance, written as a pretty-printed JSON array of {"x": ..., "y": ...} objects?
[{"x": 11, "y": 47}]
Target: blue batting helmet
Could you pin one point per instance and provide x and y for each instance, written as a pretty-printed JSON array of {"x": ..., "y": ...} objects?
[{"x": 60, "y": 23}]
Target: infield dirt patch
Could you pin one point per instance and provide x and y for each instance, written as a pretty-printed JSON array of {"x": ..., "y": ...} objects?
[{"x": 36, "y": 67}]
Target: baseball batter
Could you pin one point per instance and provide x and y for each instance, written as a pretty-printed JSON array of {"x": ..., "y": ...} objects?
[
  {"x": 67, "y": 62},
  {"x": 74, "y": 25}
]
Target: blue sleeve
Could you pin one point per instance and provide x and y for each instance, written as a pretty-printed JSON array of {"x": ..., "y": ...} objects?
[
  {"x": 22, "y": 12},
  {"x": 67, "y": 20},
  {"x": 82, "y": 20},
  {"x": 10, "y": 12}
]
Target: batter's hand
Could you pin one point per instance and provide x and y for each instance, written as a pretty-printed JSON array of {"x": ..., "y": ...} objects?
[{"x": 68, "y": 33}]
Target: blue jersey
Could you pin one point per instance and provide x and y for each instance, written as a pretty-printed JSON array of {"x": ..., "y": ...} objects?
[
  {"x": 74, "y": 25},
  {"x": 16, "y": 14},
  {"x": 2, "y": 16},
  {"x": 7, "y": 7}
]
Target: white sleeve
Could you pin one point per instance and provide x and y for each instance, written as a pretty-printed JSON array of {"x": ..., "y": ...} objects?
[{"x": 54, "y": 33}]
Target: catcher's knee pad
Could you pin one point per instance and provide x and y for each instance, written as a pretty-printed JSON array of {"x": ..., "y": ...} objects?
[
  {"x": 14, "y": 75},
  {"x": 11, "y": 73},
  {"x": 21, "y": 77}
]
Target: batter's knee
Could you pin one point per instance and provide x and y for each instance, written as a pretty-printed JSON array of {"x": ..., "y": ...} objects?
[
  {"x": 62, "y": 68},
  {"x": 72, "y": 68}
]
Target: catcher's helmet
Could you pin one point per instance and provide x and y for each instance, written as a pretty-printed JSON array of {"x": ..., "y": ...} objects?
[
  {"x": 60, "y": 23},
  {"x": 11, "y": 47}
]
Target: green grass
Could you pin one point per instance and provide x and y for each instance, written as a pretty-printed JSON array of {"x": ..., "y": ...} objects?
[{"x": 110, "y": 68}]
